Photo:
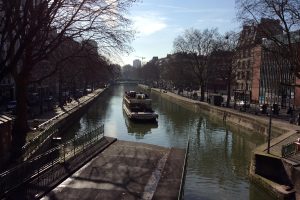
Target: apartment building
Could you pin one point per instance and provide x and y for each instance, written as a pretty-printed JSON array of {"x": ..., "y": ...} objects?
[
  {"x": 248, "y": 58},
  {"x": 278, "y": 82}
]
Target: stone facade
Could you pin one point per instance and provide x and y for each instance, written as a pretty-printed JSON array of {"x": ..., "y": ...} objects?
[{"x": 256, "y": 74}]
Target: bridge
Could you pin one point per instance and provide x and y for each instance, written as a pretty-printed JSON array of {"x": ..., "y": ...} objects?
[{"x": 126, "y": 81}]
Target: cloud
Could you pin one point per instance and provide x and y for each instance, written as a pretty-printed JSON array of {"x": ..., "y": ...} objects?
[{"x": 149, "y": 23}]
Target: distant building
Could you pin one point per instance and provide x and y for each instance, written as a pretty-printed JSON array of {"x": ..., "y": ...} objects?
[
  {"x": 137, "y": 63},
  {"x": 155, "y": 58}
]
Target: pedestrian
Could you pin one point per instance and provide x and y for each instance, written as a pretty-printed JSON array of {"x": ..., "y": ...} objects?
[
  {"x": 290, "y": 111},
  {"x": 298, "y": 120}
]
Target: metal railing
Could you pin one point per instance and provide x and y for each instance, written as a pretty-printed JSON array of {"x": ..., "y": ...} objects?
[
  {"x": 35, "y": 167},
  {"x": 33, "y": 145},
  {"x": 183, "y": 175},
  {"x": 289, "y": 150}
]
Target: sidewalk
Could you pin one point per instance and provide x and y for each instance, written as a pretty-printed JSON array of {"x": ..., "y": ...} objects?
[{"x": 253, "y": 110}]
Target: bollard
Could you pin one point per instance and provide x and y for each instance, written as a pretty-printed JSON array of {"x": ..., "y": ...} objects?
[
  {"x": 64, "y": 154},
  {"x": 74, "y": 147}
]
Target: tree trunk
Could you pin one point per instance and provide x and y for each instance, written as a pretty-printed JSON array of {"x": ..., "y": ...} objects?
[
  {"x": 41, "y": 99},
  {"x": 85, "y": 86},
  {"x": 228, "y": 94},
  {"x": 202, "y": 92},
  {"x": 20, "y": 127},
  {"x": 60, "y": 97}
]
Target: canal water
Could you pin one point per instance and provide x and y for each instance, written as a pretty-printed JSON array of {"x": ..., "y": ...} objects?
[{"x": 219, "y": 156}]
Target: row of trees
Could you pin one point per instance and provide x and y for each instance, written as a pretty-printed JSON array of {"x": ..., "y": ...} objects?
[
  {"x": 189, "y": 66},
  {"x": 74, "y": 66},
  {"x": 33, "y": 31}
]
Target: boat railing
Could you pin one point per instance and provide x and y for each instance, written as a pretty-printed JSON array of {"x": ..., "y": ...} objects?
[{"x": 144, "y": 101}]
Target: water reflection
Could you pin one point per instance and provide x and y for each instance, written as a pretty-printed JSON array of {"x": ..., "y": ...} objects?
[{"x": 138, "y": 129}]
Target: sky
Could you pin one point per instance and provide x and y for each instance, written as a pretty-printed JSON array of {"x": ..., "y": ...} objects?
[{"x": 159, "y": 22}]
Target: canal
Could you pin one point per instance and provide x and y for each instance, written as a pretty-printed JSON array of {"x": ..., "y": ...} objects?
[{"x": 219, "y": 156}]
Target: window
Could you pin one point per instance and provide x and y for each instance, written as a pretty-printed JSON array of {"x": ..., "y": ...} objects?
[{"x": 248, "y": 75}]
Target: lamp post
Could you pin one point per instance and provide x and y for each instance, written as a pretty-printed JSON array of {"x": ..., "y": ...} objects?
[
  {"x": 269, "y": 130},
  {"x": 266, "y": 44}
]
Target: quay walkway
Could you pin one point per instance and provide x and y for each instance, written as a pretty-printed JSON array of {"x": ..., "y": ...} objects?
[{"x": 126, "y": 170}]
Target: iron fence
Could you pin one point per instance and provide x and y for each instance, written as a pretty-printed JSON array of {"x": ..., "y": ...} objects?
[
  {"x": 33, "y": 145},
  {"x": 289, "y": 150},
  {"x": 35, "y": 167}
]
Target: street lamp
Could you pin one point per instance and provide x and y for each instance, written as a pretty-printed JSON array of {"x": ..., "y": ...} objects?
[
  {"x": 269, "y": 130},
  {"x": 264, "y": 44}
]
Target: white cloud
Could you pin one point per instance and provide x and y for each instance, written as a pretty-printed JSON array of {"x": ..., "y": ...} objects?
[{"x": 149, "y": 23}]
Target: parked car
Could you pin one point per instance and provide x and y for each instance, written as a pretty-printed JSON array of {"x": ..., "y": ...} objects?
[
  {"x": 263, "y": 108},
  {"x": 240, "y": 103},
  {"x": 216, "y": 100},
  {"x": 243, "y": 105}
]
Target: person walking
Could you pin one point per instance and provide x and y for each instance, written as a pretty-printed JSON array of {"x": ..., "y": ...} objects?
[{"x": 298, "y": 120}]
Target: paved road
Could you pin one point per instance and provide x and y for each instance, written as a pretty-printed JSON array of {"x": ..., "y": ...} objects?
[{"x": 126, "y": 170}]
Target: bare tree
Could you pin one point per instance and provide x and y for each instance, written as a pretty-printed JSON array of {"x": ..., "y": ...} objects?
[
  {"x": 150, "y": 71},
  {"x": 287, "y": 12},
  {"x": 31, "y": 30},
  {"x": 177, "y": 70},
  {"x": 228, "y": 71},
  {"x": 198, "y": 46}
]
